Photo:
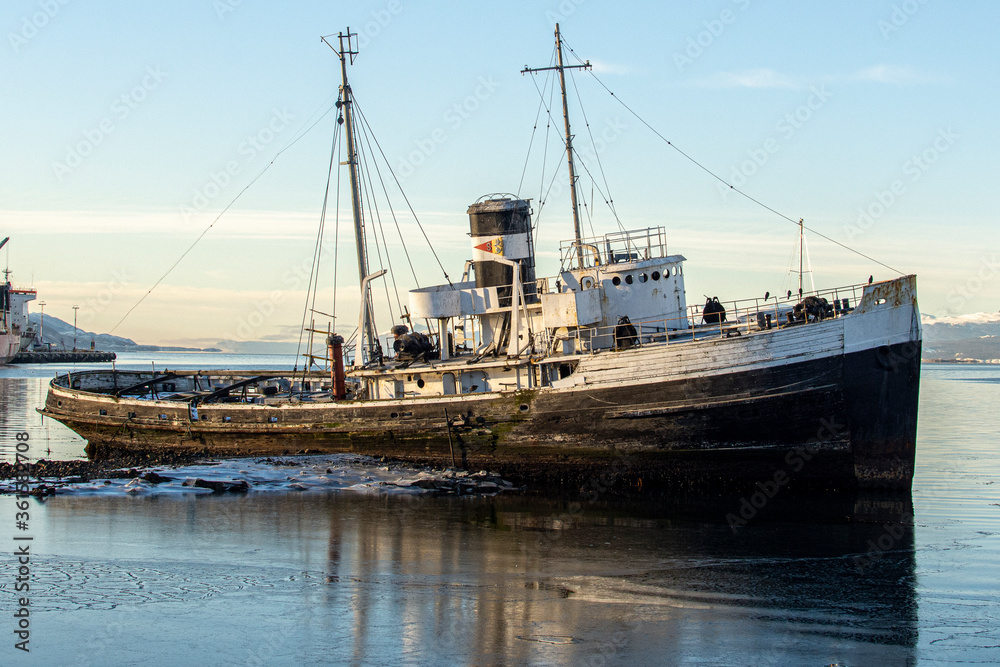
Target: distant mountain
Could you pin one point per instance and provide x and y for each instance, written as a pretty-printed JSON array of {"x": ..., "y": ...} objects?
[
  {"x": 60, "y": 335},
  {"x": 974, "y": 337}
]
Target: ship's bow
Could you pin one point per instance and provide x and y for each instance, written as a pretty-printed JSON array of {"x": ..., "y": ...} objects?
[{"x": 882, "y": 346}]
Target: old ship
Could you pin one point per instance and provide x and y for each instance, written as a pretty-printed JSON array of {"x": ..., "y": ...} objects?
[
  {"x": 601, "y": 377},
  {"x": 16, "y": 332}
]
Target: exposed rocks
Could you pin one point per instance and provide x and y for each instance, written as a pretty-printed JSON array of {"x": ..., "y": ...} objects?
[
  {"x": 462, "y": 483},
  {"x": 47, "y": 476},
  {"x": 220, "y": 486}
]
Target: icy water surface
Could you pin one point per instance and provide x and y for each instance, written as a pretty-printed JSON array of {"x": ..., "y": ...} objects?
[{"x": 356, "y": 567}]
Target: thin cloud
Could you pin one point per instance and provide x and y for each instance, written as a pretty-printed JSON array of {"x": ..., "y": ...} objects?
[
  {"x": 894, "y": 75},
  {"x": 764, "y": 78},
  {"x": 754, "y": 78},
  {"x": 600, "y": 67}
]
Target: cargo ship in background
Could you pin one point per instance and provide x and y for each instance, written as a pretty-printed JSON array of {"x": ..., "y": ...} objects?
[
  {"x": 16, "y": 333},
  {"x": 600, "y": 378}
]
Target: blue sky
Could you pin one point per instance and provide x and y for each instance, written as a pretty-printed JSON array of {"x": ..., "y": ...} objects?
[{"x": 128, "y": 127}]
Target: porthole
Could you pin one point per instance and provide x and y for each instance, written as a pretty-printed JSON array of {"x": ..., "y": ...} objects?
[
  {"x": 656, "y": 275},
  {"x": 643, "y": 277},
  {"x": 131, "y": 415},
  {"x": 393, "y": 415},
  {"x": 616, "y": 281},
  {"x": 58, "y": 404},
  {"x": 104, "y": 413},
  {"x": 628, "y": 279},
  {"x": 523, "y": 407},
  {"x": 420, "y": 383}
]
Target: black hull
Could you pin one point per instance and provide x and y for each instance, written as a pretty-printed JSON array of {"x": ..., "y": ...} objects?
[{"x": 837, "y": 423}]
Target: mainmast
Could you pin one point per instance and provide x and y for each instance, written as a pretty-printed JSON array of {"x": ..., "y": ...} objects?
[
  {"x": 347, "y": 104},
  {"x": 569, "y": 136}
]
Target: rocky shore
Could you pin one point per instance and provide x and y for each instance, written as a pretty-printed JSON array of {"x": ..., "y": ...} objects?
[
  {"x": 44, "y": 474},
  {"x": 230, "y": 475}
]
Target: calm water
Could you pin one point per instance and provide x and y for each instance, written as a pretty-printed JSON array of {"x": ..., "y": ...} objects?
[{"x": 372, "y": 577}]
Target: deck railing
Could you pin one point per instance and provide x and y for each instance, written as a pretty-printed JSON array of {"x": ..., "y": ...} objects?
[
  {"x": 743, "y": 317},
  {"x": 634, "y": 245}
]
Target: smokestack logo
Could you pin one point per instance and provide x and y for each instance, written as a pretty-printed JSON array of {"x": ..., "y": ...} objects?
[{"x": 493, "y": 246}]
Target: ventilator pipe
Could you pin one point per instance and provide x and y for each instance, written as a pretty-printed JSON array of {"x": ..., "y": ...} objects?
[{"x": 335, "y": 345}]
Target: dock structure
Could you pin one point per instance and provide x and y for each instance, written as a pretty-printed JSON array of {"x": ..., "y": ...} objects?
[{"x": 63, "y": 357}]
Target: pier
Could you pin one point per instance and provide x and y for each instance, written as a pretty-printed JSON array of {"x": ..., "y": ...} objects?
[{"x": 63, "y": 357}]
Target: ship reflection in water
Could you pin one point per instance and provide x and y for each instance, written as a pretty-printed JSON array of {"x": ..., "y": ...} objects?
[{"x": 363, "y": 578}]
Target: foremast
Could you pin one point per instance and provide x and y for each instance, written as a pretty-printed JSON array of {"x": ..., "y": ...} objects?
[{"x": 366, "y": 331}]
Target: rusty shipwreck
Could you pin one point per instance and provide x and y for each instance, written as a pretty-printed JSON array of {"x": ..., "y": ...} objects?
[{"x": 600, "y": 377}]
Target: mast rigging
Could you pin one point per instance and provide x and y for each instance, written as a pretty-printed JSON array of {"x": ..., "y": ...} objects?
[{"x": 561, "y": 68}]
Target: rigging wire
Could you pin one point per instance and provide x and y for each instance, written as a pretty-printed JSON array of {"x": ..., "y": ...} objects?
[
  {"x": 543, "y": 195},
  {"x": 368, "y": 134},
  {"x": 597, "y": 154},
  {"x": 527, "y": 157},
  {"x": 312, "y": 286},
  {"x": 724, "y": 181},
  {"x": 388, "y": 257},
  {"x": 336, "y": 244},
  {"x": 412, "y": 212},
  {"x": 205, "y": 231},
  {"x": 372, "y": 216},
  {"x": 531, "y": 142},
  {"x": 579, "y": 158}
]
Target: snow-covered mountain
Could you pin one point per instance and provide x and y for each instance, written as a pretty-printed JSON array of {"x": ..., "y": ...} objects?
[{"x": 962, "y": 337}]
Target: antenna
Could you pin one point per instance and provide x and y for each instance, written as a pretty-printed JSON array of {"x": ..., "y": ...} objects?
[{"x": 801, "y": 240}]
